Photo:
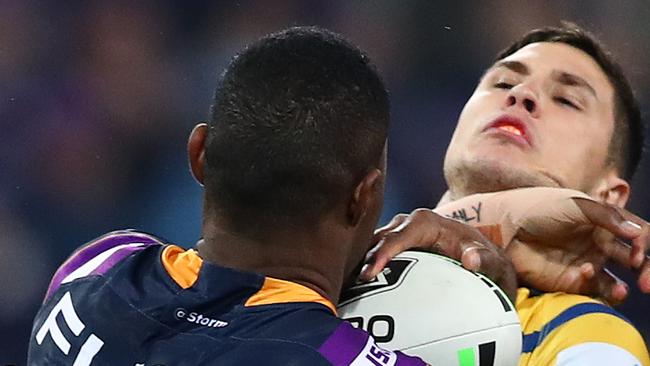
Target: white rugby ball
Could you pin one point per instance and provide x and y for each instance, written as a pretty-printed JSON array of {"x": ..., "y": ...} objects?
[{"x": 429, "y": 306}]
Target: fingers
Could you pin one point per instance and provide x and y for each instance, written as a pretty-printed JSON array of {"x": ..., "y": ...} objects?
[
  {"x": 424, "y": 229},
  {"x": 612, "y": 248},
  {"x": 644, "y": 277},
  {"x": 640, "y": 246},
  {"x": 621, "y": 253},
  {"x": 608, "y": 286},
  {"x": 381, "y": 232},
  {"x": 493, "y": 262},
  {"x": 471, "y": 258},
  {"x": 587, "y": 271},
  {"x": 394, "y": 222},
  {"x": 621, "y": 223},
  {"x": 640, "y": 243},
  {"x": 608, "y": 218},
  {"x": 420, "y": 228}
]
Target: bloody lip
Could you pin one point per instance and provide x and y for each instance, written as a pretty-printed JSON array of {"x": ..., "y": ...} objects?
[{"x": 510, "y": 122}]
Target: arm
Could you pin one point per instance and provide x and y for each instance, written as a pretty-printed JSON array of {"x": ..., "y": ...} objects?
[
  {"x": 351, "y": 346},
  {"x": 425, "y": 230},
  {"x": 560, "y": 239}
]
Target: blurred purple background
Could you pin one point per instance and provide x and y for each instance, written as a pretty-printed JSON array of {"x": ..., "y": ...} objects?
[{"x": 98, "y": 98}]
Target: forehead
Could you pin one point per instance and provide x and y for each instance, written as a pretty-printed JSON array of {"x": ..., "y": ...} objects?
[{"x": 545, "y": 57}]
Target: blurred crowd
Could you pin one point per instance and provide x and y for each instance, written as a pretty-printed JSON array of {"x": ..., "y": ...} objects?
[{"x": 98, "y": 98}]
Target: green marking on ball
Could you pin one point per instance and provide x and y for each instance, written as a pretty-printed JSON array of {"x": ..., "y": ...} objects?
[{"x": 466, "y": 357}]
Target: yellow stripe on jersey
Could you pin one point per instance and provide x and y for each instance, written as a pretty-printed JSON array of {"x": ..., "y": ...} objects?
[
  {"x": 275, "y": 291},
  {"x": 553, "y": 322}
]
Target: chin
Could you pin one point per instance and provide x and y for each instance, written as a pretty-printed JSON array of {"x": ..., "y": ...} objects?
[
  {"x": 496, "y": 173},
  {"x": 499, "y": 149}
]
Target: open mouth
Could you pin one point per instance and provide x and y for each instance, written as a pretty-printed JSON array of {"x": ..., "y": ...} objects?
[{"x": 512, "y": 127}]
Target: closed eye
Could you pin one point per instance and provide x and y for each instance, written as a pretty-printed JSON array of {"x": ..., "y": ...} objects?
[
  {"x": 566, "y": 102},
  {"x": 503, "y": 85}
]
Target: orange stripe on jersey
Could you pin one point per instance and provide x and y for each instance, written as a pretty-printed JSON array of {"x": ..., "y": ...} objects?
[
  {"x": 182, "y": 265},
  {"x": 276, "y": 291}
]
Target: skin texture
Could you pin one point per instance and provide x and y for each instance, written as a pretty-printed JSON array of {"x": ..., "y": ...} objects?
[
  {"x": 557, "y": 238},
  {"x": 534, "y": 86},
  {"x": 563, "y": 100},
  {"x": 329, "y": 255},
  {"x": 566, "y": 103}
]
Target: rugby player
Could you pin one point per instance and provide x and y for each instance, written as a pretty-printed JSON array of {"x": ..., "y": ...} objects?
[
  {"x": 555, "y": 110},
  {"x": 293, "y": 166}
]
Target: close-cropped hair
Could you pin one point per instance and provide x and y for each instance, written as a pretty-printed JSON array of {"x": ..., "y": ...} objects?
[
  {"x": 299, "y": 118},
  {"x": 626, "y": 144}
]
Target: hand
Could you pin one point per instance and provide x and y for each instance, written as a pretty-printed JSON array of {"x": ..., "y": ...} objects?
[
  {"x": 572, "y": 259},
  {"x": 559, "y": 239},
  {"x": 423, "y": 229}
]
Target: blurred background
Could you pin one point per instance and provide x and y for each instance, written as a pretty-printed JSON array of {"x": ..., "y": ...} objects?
[{"x": 97, "y": 100}]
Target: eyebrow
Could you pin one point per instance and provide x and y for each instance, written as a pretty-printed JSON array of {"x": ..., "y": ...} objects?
[
  {"x": 563, "y": 77},
  {"x": 516, "y": 66},
  {"x": 569, "y": 79}
]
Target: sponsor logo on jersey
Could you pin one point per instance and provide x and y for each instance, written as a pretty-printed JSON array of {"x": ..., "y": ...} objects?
[{"x": 199, "y": 319}]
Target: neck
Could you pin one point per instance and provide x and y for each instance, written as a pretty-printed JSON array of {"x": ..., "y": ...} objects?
[
  {"x": 446, "y": 198},
  {"x": 487, "y": 175},
  {"x": 312, "y": 258}
]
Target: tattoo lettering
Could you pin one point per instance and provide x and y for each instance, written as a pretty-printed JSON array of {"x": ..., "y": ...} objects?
[{"x": 462, "y": 215}]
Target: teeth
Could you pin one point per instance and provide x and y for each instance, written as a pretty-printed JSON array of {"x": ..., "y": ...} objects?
[{"x": 513, "y": 130}]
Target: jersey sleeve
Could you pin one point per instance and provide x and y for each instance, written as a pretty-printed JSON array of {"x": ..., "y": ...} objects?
[
  {"x": 351, "y": 346},
  {"x": 66, "y": 329},
  {"x": 100, "y": 255},
  {"x": 587, "y": 333}
]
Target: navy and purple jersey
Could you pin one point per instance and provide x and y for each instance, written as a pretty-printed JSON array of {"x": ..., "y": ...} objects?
[{"x": 129, "y": 298}]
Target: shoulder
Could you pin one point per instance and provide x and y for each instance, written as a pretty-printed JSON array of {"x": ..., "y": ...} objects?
[
  {"x": 560, "y": 326},
  {"x": 100, "y": 255}
]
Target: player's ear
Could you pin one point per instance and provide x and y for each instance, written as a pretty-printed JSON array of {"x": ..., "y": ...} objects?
[
  {"x": 367, "y": 197},
  {"x": 613, "y": 189},
  {"x": 196, "y": 150}
]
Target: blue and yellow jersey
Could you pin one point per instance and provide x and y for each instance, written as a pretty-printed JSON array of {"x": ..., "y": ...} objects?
[
  {"x": 572, "y": 330},
  {"x": 128, "y": 298}
]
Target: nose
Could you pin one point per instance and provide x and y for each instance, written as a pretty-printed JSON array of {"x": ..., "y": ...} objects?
[{"x": 523, "y": 96}]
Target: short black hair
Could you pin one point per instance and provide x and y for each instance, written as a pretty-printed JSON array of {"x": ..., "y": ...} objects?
[
  {"x": 299, "y": 118},
  {"x": 626, "y": 144}
]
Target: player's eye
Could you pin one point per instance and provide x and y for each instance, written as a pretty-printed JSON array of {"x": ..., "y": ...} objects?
[
  {"x": 503, "y": 85},
  {"x": 566, "y": 102}
]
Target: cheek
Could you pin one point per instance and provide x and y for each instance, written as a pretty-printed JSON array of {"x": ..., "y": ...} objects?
[
  {"x": 576, "y": 154},
  {"x": 477, "y": 105},
  {"x": 469, "y": 120}
]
